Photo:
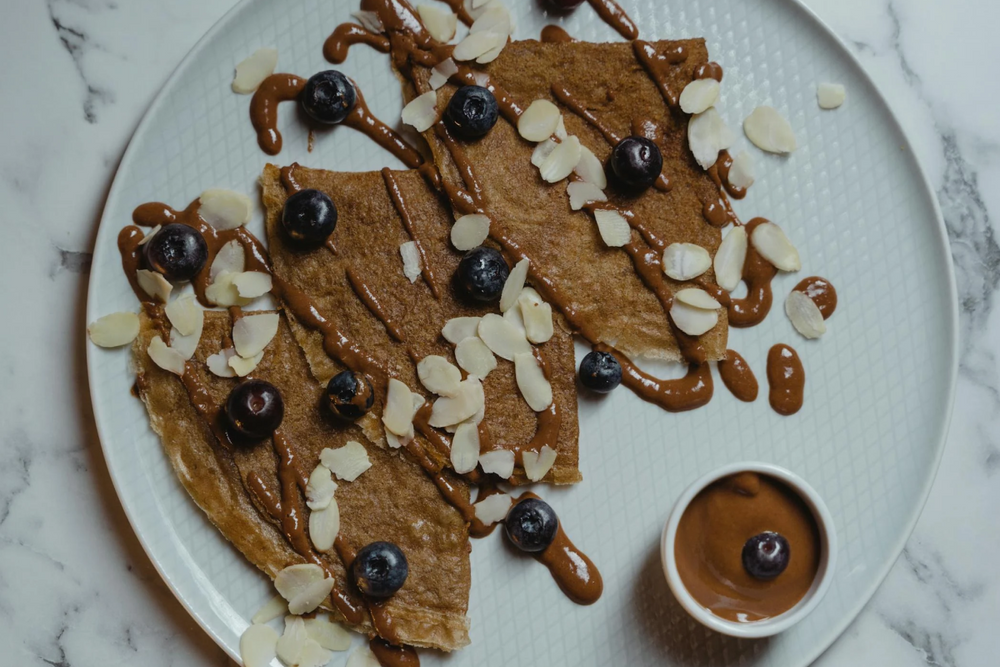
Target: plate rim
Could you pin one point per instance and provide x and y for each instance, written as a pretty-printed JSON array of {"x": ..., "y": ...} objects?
[{"x": 943, "y": 246}]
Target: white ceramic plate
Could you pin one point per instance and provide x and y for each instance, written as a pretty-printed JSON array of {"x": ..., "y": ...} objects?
[{"x": 879, "y": 389}]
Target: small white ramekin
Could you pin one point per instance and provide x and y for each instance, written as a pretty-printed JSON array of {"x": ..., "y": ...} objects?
[{"x": 770, "y": 626}]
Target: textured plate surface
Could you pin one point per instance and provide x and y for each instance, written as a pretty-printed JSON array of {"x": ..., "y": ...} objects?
[{"x": 879, "y": 386}]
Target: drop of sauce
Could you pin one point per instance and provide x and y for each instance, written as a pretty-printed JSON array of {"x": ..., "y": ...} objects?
[
  {"x": 787, "y": 379},
  {"x": 822, "y": 293},
  {"x": 738, "y": 377}
]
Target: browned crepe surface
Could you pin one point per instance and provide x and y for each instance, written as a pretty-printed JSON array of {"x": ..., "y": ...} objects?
[
  {"x": 599, "y": 282},
  {"x": 367, "y": 238},
  {"x": 393, "y": 500}
]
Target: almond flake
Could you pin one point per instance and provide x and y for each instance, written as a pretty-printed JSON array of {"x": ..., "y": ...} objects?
[
  {"x": 475, "y": 358},
  {"x": 538, "y": 121},
  {"x": 542, "y": 151},
  {"x": 590, "y": 169},
  {"x": 114, "y": 330},
  {"x": 252, "y": 284},
  {"x": 230, "y": 259},
  {"x": 477, "y": 44},
  {"x": 772, "y": 244},
  {"x": 691, "y": 320},
  {"x": 481, "y": 78},
  {"x": 707, "y": 135},
  {"x": 805, "y": 315},
  {"x": 347, "y": 462},
  {"x": 502, "y": 337},
  {"x": 493, "y": 508},
  {"x": 396, "y": 441},
  {"x": 476, "y": 4},
  {"x": 729, "y": 259},
  {"x": 251, "y": 71},
  {"x": 495, "y": 19},
  {"x": 311, "y": 597},
  {"x": 218, "y": 363},
  {"x": 149, "y": 235},
  {"x": 449, "y": 410},
  {"x": 291, "y": 643},
  {"x": 685, "y": 261},
  {"x": 439, "y": 375},
  {"x": 270, "y": 610},
  {"x": 258, "y": 646},
  {"x": 513, "y": 315},
  {"x": 186, "y": 316},
  {"x": 537, "y": 316},
  {"x": 421, "y": 112},
  {"x": 412, "y": 262},
  {"x": 493, "y": 53},
  {"x": 154, "y": 284},
  {"x": 244, "y": 366},
  {"x": 582, "y": 193},
  {"x": 513, "y": 286},
  {"x": 225, "y": 209},
  {"x": 442, "y": 72},
  {"x": 614, "y": 229},
  {"x": 222, "y": 292},
  {"x": 769, "y": 131},
  {"x": 741, "y": 172},
  {"x": 186, "y": 345},
  {"x": 369, "y": 21},
  {"x": 295, "y": 579},
  {"x": 320, "y": 488},
  {"x": 499, "y": 462},
  {"x": 398, "y": 412},
  {"x": 465, "y": 448},
  {"x": 330, "y": 636},
  {"x": 698, "y": 298},
  {"x": 560, "y": 162},
  {"x": 699, "y": 95},
  {"x": 470, "y": 231},
  {"x": 313, "y": 655},
  {"x": 538, "y": 464},
  {"x": 532, "y": 382},
  {"x": 363, "y": 657},
  {"x": 458, "y": 329},
  {"x": 164, "y": 357},
  {"x": 252, "y": 333},
  {"x": 830, "y": 95},
  {"x": 440, "y": 24},
  {"x": 324, "y": 524},
  {"x": 560, "y": 132}
]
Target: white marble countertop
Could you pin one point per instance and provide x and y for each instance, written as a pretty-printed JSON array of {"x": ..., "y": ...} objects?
[{"x": 75, "y": 586}]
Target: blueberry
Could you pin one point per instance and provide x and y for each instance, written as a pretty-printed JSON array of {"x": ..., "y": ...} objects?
[
  {"x": 328, "y": 97},
  {"x": 380, "y": 569},
  {"x": 600, "y": 372},
  {"x": 482, "y": 273},
  {"x": 310, "y": 216},
  {"x": 765, "y": 556},
  {"x": 637, "y": 162},
  {"x": 349, "y": 395},
  {"x": 177, "y": 251},
  {"x": 255, "y": 409},
  {"x": 531, "y": 525},
  {"x": 564, "y": 5},
  {"x": 472, "y": 112}
]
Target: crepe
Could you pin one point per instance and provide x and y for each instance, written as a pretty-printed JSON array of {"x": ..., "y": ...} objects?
[
  {"x": 393, "y": 500},
  {"x": 599, "y": 283},
  {"x": 367, "y": 240}
]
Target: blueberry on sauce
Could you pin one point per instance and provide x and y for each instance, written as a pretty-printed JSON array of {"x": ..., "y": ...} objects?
[
  {"x": 482, "y": 273},
  {"x": 380, "y": 569},
  {"x": 255, "y": 409},
  {"x": 349, "y": 395},
  {"x": 766, "y": 555},
  {"x": 328, "y": 97},
  {"x": 177, "y": 251},
  {"x": 637, "y": 162},
  {"x": 600, "y": 372},
  {"x": 310, "y": 216},
  {"x": 472, "y": 112},
  {"x": 531, "y": 525}
]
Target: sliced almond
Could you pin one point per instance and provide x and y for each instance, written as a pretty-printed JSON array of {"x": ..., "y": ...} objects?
[
  {"x": 614, "y": 229},
  {"x": 331, "y": 636},
  {"x": 222, "y": 292},
  {"x": 313, "y": 655},
  {"x": 320, "y": 488},
  {"x": 398, "y": 413},
  {"x": 493, "y": 508},
  {"x": 513, "y": 315},
  {"x": 495, "y": 19},
  {"x": 186, "y": 345},
  {"x": 560, "y": 132},
  {"x": 481, "y": 78},
  {"x": 493, "y": 53},
  {"x": 225, "y": 209},
  {"x": 114, "y": 330},
  {"x": 502, "y": 337},
  {"x": 324, "y": 524},
  {"x": 769, "y": 131},
  {"x": 293, "y": 580},
  {"x": 369, "y": 21},
  {"x": 439, "y": 375},
  {"x": 741, "y": 173},
  {"x": 691, "y": 320},
  {"x": 347, "y": 462},
  {"x": 465, "y": 448},
  {"x": 537, "y": 316},
  {"x": 697, "y": 298},
  {"x": 469, "y": 231},
  {"x": 185, "y": 314},
  {"x": 477, "y": 44},
  {"x": 291, "y": 643},
  {"x": 538, "y": 464},
  {"x": 252, "y": 284},
  {"x": 154, "y": 284},
  {"x": 805, "y": 315},
  {"x": 149, "y": 235},
  {"x": 165, "y": 357},
  {"x": 513, "y": 286},
  {"x": 542, "y": 151},
  {"x": 440, "y": 23},
  {"x": 699, "y": 95},
  {"x": 590, "y": 169},
  {"x": 421, "y": 113},
  {"x": 685, "y": 261},
  {"x": 258, "y": 646},
  {"x": 707, "y": 135},
  {"x": 252, "y": 333},
  {"x": 532, "y": 382},
  {"x": 582, "y": 193},
  {"x": 362, "y": 656},
  {"x": 218, "y": 363},
  {"x": 474, "y": 357},
  {"x": 442, "y": 72},
  {"x": 539, "y": 121},
  {"x": 412, "y": 262},
  {"x": 458, "y": 329},
  {"x": 230, "y": 258},
  {"x": 450, "y": 410},
  {"x": 252, "y": 70},
  {"x": 830, "y": 95},
  {"x": 561, "y": 161},
  {"x": 311, "y": 597},
  {"x": 499, "y": 462},
  {"x": 244, "y": 366},
  {"x": 270, "y": 610},
  {"x": 729, "y": 259},
  {"x": 772, "y": 244}
]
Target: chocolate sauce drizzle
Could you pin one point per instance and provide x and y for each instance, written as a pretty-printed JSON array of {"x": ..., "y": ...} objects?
[
  {"x": 426, "y": 270},
  {"x": 787, "y": 379}
]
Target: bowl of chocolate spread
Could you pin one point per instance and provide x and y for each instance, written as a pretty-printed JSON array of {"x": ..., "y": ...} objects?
[{"x": 749, "y": 549}]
